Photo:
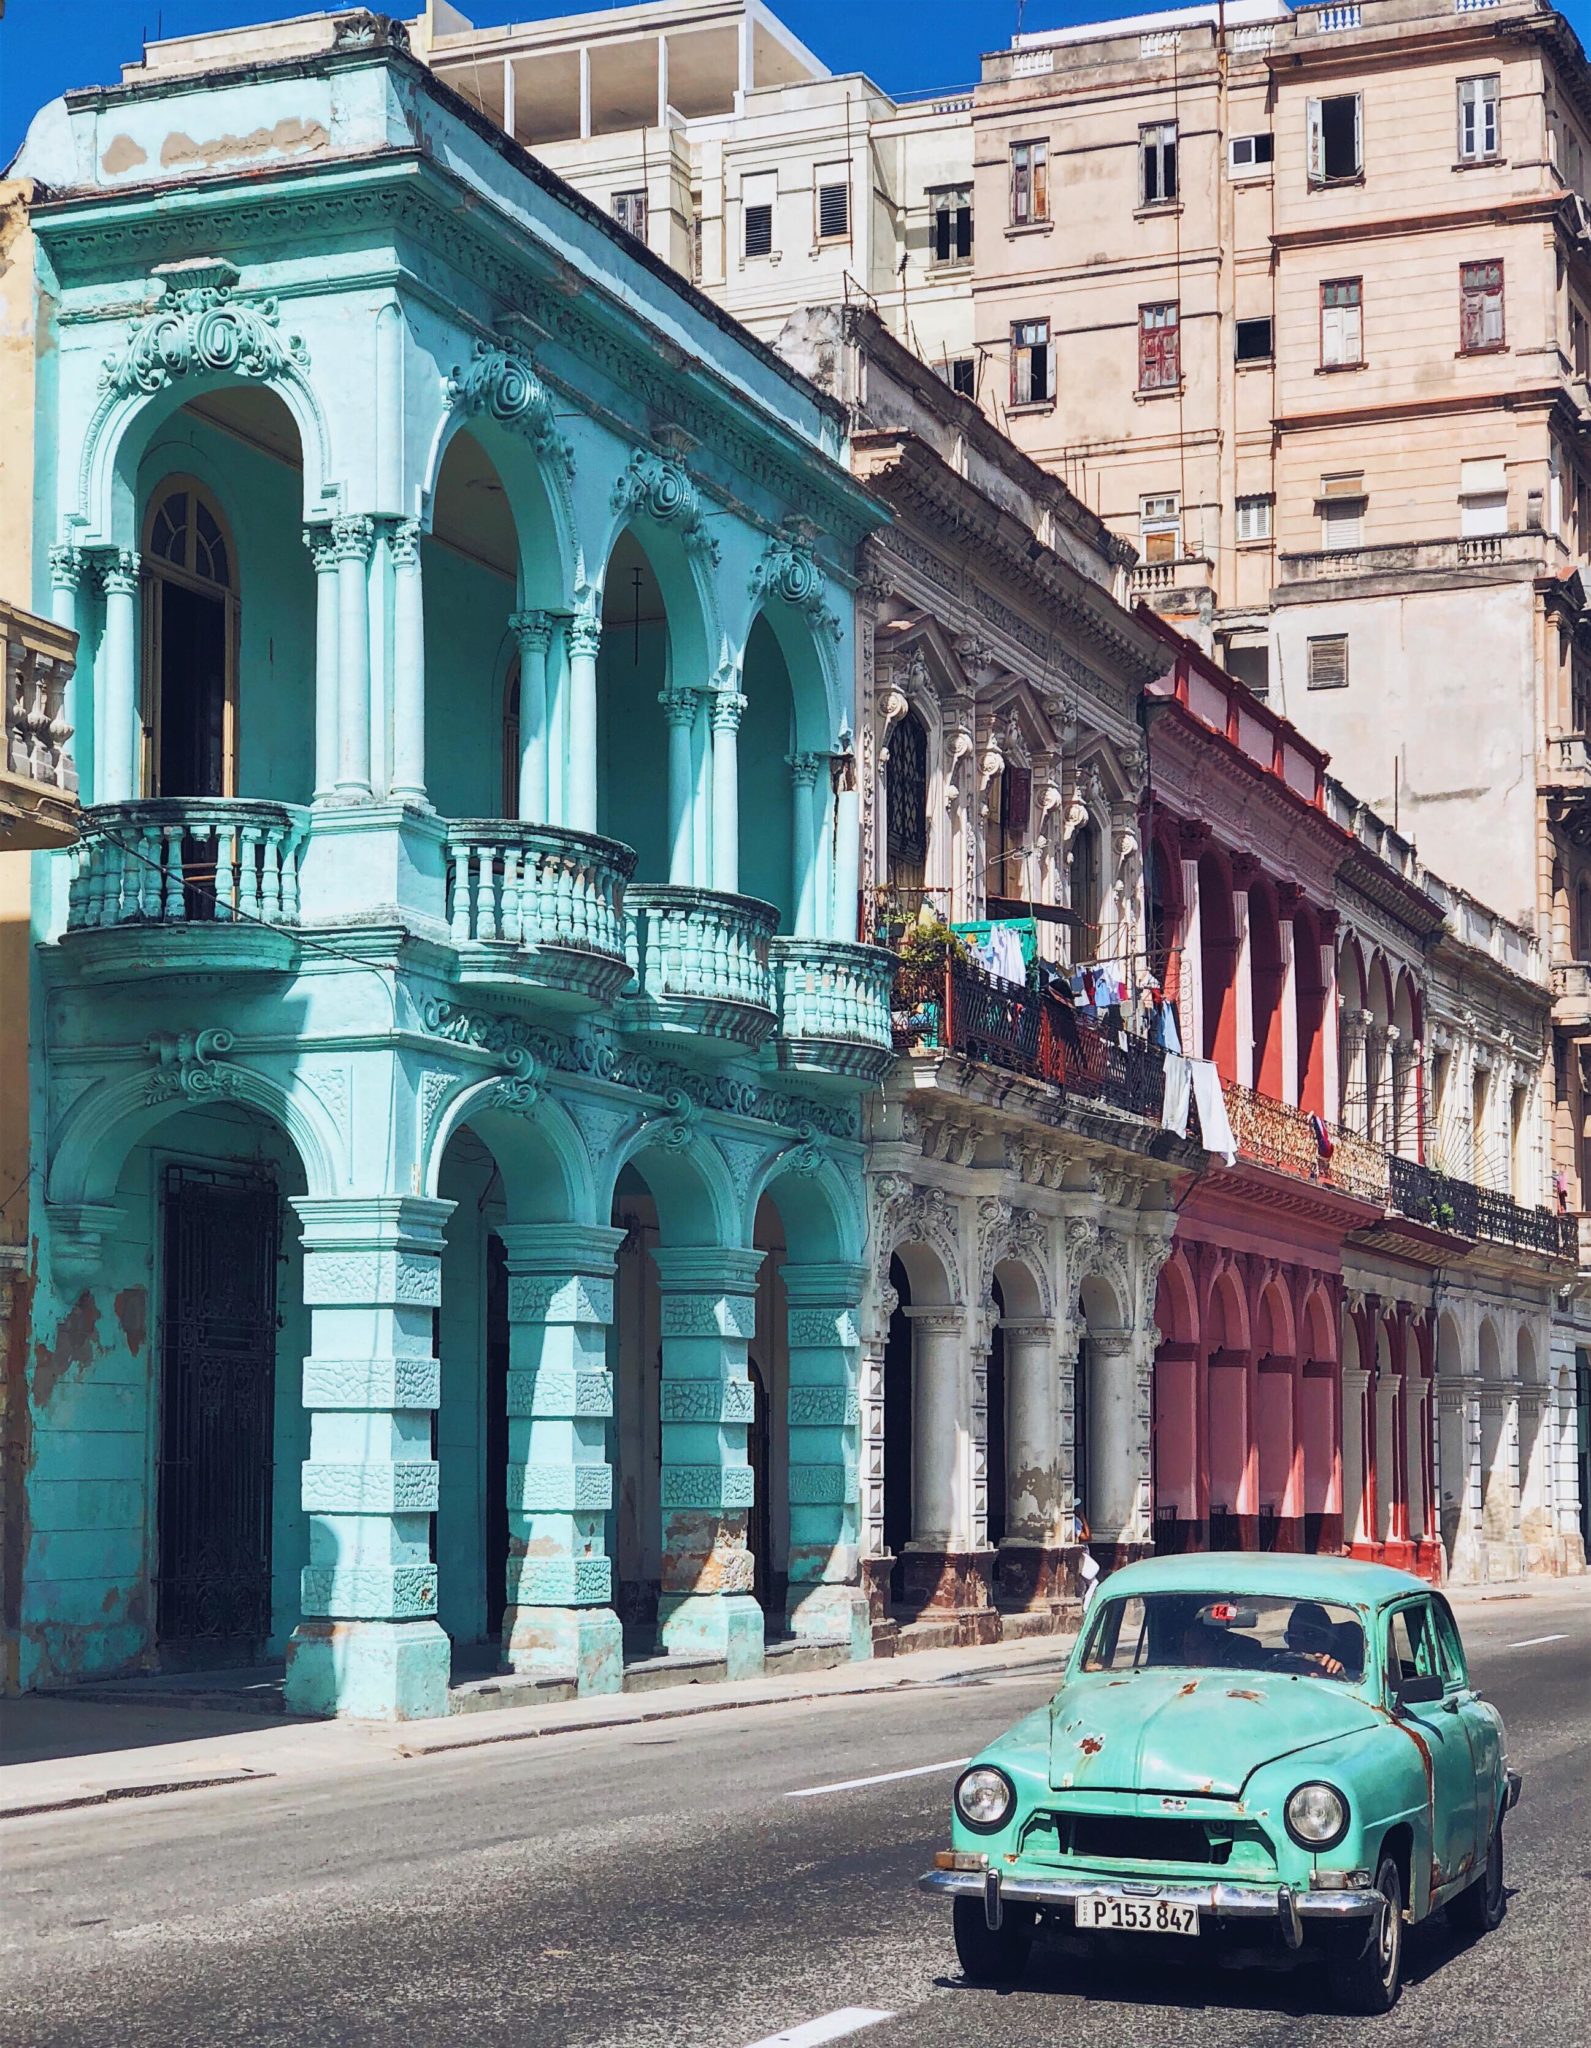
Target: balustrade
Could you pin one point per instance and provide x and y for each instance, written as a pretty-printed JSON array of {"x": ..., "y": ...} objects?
[
  {"x": 1276, "y": 1135},
  {"x": 828, "y": 991},
  {"x": 185, "y": 861},
  {"x": 533, "y": 885},
  {"x": 700, "y": 963}
]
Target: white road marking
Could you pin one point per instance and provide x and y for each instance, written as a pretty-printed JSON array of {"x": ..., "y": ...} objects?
[
  {"x": 852, "y": 1784},
  {"x": 833, "y": 2026},
  {"x": 1530, "y": 1642}
]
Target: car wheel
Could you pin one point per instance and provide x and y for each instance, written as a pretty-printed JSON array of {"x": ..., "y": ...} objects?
[
  {"x": 1479, "y": 1907},
  {"x": 992, "y": 1955},
  {"x": 1370, "y": 1981}
]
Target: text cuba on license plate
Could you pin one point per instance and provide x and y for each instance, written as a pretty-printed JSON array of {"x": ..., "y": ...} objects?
[{"x": 1136, "y": 1916}]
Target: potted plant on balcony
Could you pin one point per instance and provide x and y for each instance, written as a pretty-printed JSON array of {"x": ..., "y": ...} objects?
[{"x": 922, "y": 953}]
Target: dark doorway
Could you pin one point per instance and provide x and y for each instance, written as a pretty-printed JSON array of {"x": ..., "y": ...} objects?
[
  {"x": 1081, "y": 1481},
  {"x": 494, "y": 1493},
  {"x": 221, "y": 1241},
  {"x": 898, "y": 1426},
  {"x": 192, "y": 720},
  {"x": 759, "y": 1522},
  {"x": 994, "y": 1454}
]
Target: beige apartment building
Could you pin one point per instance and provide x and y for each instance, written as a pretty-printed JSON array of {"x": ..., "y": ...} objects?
[
  {"x": 723, "y": 143},
  {"x": 1300, "y": 301}
]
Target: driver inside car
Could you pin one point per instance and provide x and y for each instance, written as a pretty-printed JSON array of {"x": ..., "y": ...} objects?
[{"x": 1311, "y": 1642}]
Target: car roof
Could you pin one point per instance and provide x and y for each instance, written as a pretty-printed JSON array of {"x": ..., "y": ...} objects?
[{"x": 1267, "y": 1575}]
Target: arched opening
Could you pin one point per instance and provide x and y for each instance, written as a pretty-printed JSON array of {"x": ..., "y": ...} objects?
[
  {"x": 1317, "y": 1430},
  {"x": 1085, "y": 883},
  {"x": 1276, "y": 1425},
  {"x": 190, "y": 628},
  {"x": 923, "y": 1424},
  {"x": 1027, "y": 1513},
  {"x": 1218, "y": 951},
  {"x": 906, "y": 810},
  {"x": 1353, "y": 1051},
  {"x": 1265, "y": 978},
  {"x": 1178, "y": 1515},
  {"x": 1102, "y": 1429},
  {"x": 1417, "y": 1436},
  {"x": 1497, "y": 1455},
  {"x": 635, "y": 670},
  {"x": 1407, "y": 1110},
  {"x": 1310, "y": 985},
  {"x": 770, "y": 787},
  {"x": 1356, "y": 1529},
  {"x": 1452, "y": 1444},
  {"x": 1227, "y": 1429},
  {"x": 997, "y": 1465},
  {"x": 1163, "y": 909},
  {"x": 1379, "y": 1105},
  {"x": 1388, "y": 1388},
  {"x": 195, "y": 1380},
  {"x": 1535, "y": 1514}
]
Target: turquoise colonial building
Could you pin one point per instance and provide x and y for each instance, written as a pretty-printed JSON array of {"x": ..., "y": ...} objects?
[{"x": 449, "y": 1038}]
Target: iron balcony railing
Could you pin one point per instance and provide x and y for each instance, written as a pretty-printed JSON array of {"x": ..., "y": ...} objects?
[
  {"x": 1031, "y": 1033},
  {"x": 1426, "y": 1196},
  {"x": 1287, "y": 1140}
]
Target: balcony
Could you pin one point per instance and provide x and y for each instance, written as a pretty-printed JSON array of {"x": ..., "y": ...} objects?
[
  {"x": 1283, "y": 1139},
  {"x": 1479, "y": 1214},
  {"x": 700, "y": 967},
  {"x": 1490, "y": 557},
  {"x": 1172, "y": 586},
  {"x": 38, "y": 782},
  {"x": 1032, "y": 1034},
  {"x": 1571, "y": 996},
  {"x": 538, "y": 908},
  {"x": 210, "y": 882},
  {"x": 832, "y": 1003}
]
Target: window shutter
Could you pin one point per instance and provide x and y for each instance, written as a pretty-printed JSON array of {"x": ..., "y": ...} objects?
[
  {"x": 1358, "y": 132},
  {"x": 1328, "y": 663},
  {"x": 1317, "y": 145},
  {"x": 1016, "y": 798},
  {"x": 834, "y": 211}
]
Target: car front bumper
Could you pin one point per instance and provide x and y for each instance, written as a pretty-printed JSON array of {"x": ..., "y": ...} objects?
[{"x": 1280, "y": 1906}]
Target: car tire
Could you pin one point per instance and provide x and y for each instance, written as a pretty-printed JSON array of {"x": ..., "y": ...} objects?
[
  {"x": 995, "y": 1956},
  {"x": 1369, "y": 1982},
  {"x": 1480, "y": 1906}
]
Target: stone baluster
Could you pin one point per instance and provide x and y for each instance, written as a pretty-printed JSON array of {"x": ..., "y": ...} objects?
[
  {"x": 708, "y": 1318},
  {"x": 369, "y": 1644},
  {"x": 825, "y": 1602},
  {"x": 559, "y": 1618}
]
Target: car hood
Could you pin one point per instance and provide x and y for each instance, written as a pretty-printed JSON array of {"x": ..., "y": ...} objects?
[{"x": 1190, "y": 1732}]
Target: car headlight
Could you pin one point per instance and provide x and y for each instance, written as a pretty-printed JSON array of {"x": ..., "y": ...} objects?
[
  {"x": 984, "y": 1798},
  {"x": 1317, "y": 1816}
]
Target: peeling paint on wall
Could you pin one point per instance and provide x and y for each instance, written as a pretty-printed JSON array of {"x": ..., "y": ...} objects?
[
  {"x": 289, "y": 137},
  {"x": 76, "y": 1344}
]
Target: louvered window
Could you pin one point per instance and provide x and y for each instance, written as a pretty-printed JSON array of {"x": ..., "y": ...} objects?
[
  {"x": 757, "y": 194},
  {"x": 834, "y": 204},
  {"x": 1328, "y": 662}
]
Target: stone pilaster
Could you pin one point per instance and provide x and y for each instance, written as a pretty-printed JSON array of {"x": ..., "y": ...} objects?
[
  {"x": 826, "y": 1602},
  {"x": 709, "y": 1315},
  {"x": 369, "y": 1644},
  {"x": 559, "y": 1619}
]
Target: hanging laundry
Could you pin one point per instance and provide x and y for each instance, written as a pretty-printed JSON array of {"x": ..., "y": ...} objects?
[
  {"x": 1005, "y": 949},
  {"x": 1165, "y": 1032},
  {"x": 1179, "y": 1092},
  {"x": 1323, "y": 1139},
  {"x": 1214, "y": 1125}
]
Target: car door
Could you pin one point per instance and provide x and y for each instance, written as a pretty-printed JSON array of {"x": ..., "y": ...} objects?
[
  {"x": 1481, "y": 1727},
  {"x": 1414, "y": 1650}
]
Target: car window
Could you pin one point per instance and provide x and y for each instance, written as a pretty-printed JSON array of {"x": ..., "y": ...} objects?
[
  {"x": 1226, "y": 1631},
  {"x": 1447, "y": 1636},
  {"x": 1414, "y": 1650}
]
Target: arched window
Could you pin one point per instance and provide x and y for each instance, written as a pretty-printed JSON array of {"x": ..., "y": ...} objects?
[
  {"x": 1083, "y": 886},
  {"x": 510, "y": 786},
  {"x": 190, "y": 647},
  {"x": 906, "y": 804}
]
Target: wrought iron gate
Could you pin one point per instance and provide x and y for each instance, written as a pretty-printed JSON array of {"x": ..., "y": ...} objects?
[{"x": 222, "y": 1237}]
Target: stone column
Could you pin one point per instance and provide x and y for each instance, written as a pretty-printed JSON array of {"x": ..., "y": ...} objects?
[
  {"x": 826, "y": 1602},
  {"x": 939, "y": 1520},
  {"x": 353, "y": 540},
  {"x": 1355, "y": 1093},
  {"x": 408, "y": 664},
  {"x": 1458, "y": 1475},
  {"x": 1113, "y": 1476},
  {"x": 1356, "y": 1526},
  {"x": 1385, "y": 1047},
  {"x": 559, "y": 1619},
  {"x": 117, "y": 730},
  {"x": 804, "y": 839},
  {"x": 584, "y": 638},
  {"x": 847, "y": 916},
  {"x": 709, "y": 1315},
  {"x": 1037, "y": 1517},
  {"x": 67, "y": 565},
  {"x": 533, "y": 632},
  {"x": 725, "y": 708},
  {"x": 323, "y": 554},
  {"x": 679, "y": 715},
  {"x": 369, "y": 1644},
  {"x": 1405, "y": 1122}
]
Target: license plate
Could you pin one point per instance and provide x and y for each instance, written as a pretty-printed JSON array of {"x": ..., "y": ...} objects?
[{"x": 1136, "y": 1916}]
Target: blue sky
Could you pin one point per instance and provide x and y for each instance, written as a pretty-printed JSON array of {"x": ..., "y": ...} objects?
[{"x": 47, "y": 46}]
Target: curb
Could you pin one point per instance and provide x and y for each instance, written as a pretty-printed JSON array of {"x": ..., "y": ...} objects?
[{"x": 120, "y": 1792}]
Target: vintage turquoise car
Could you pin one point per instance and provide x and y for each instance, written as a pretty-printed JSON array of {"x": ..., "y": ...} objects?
[{"x": 1271, "y": 1752}]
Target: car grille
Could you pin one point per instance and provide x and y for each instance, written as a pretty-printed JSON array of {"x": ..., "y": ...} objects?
[{"x": 1147, "y": 1839}]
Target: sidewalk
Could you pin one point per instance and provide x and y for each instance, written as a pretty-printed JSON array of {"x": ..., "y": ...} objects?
[{"x": 140, "y": 1751}]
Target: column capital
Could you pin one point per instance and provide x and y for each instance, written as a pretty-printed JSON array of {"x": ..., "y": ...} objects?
[
  {"x": 1193, "y": 836},
  {"x": 1028, "y": 1329},
  {"x": 322, "y": 549},
  {"x": 804, "y": 769},
  {"x": 68, "y": 564},
  {"x": 829, "y": 1280},
  {"x": 561, "y": 1248},
  {"x": 1246, "y": 868},
  {"x": 725, "y": 708},
  {"x": 403, "y": 543},
  {"x": 119, "y": 571},
  {"x": 533, "y": 630},
  {"x": 679, "y": 706},
  {"x": 353, "y": 537},
  {"x": 585, "y": 634},
  {"x": 706, "y": 1269},
  {"x": 940, "y": 1321},
  {"x": 372, "y": 1222},
  {"x": 1288, "y": 897}
]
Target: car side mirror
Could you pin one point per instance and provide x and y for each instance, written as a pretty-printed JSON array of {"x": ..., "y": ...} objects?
[{"x": 1419, "y": 1692}]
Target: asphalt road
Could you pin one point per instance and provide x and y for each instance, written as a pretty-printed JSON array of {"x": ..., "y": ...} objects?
[{"x": 661, "y": 1885}]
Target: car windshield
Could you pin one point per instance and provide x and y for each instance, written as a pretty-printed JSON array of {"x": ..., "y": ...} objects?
[{"x": 1226, "y": 1632}]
